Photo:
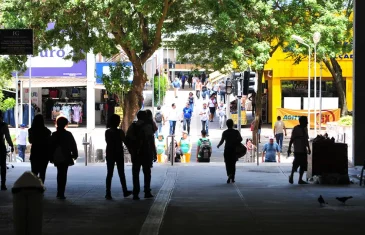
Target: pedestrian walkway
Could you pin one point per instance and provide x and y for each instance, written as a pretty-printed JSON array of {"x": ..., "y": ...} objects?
[{"x": 194, "y": 199}]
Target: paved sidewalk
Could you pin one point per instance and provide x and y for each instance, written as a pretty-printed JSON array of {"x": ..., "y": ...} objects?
[{"x": 194, "y": 199}]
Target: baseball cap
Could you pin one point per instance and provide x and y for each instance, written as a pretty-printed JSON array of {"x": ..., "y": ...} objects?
[
  {"x": 22, "y": 125},
  {"x": 185, "y": 132},
  {"x": 271, "y": 137}
]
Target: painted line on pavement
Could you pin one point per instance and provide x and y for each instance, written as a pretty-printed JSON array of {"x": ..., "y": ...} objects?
[
  {"x": 243, "y": 199},
  {"x": 152, "y": 224}
]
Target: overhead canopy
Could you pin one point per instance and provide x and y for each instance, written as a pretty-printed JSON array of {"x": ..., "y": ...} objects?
[{"x": 51, "y": 82}]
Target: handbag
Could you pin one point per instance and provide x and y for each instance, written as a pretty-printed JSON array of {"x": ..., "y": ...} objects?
[
  {"x": 240, "y": 150},
  {"x": 253, "y": 126}
]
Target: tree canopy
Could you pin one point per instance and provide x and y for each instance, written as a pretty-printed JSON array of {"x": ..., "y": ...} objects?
[{"x": 105, "y": 27}]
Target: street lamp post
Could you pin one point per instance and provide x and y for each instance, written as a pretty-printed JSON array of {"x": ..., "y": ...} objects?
[
  {"x": 316, "y": 38},
  {"x": 320, "y": 97},
  {"x": 301, "y": 40}
]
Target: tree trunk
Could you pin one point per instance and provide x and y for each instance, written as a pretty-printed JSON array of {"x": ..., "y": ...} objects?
[
  {"x": 258, "y": 110},
  {"x": 336, "y": 71},
  {"x": 133, "y": 100}
]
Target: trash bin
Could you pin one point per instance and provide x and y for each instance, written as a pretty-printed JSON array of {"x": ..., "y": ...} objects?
[{"x": 28, "y": 204}]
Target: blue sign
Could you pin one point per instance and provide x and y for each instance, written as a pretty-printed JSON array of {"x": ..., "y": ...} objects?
[{"x": 103, "y": 68}]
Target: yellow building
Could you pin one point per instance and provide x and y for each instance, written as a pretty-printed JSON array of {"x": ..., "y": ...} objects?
[{"x": 282, "y": 76}]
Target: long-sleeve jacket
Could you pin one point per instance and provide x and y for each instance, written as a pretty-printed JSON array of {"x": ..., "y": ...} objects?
[
  {"x": 114, "y": 139},
  {"x": 39, "y": 138},
  {"x": 4, "y": 132},
  {"x": 66, "y": 140}
]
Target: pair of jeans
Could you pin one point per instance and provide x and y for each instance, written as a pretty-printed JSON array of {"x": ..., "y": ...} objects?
[
  {"x": 205, "y": 126},
  {"x": 222, "y": 120},
  {"x": 194, "y": 85},
  {"x": 9, "y": 117},
  {"x": 39, "y": 168},
  {"x": 110, "y": 170},
  {"x": 279, "y": 139},
  {"x": 205, "y": 93},
  {"x": 159, "y": 129},
  {"x": 197, "y": 94},
  {"x": 26, "y": 114},
  {"x": 146, "y": 168},
  {"x": 61, "y": 179},
  {"x": 172, "y": 127},
  {"x": 21, "y": 151},
  {"x": 186, "y": 124},
  {"x": 223, "y": 96},
  {"x": 2, "y": 167}
]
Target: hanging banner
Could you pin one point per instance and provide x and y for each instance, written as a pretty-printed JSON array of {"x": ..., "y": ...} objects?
[{"x": 291, "y": 116}]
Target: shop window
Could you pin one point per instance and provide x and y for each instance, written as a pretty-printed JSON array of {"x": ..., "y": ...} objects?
[{"x": 300, "y": 89}]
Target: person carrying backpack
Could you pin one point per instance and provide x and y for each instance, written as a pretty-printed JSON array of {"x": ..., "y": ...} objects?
[
  {"x": 204, "y": 148},
  {"x": 140, "y": 147},
  {"x": 160, "y": 120},
  {"x": 64, "y": 151}
]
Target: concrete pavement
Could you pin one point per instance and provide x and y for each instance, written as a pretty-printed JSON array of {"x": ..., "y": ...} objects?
[{"x": 194, "y": 199}]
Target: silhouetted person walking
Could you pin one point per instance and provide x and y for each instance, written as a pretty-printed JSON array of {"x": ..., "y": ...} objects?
[
  {"x": 232, "y": 137},
  {"x": 39, "y": 137},
  {"x": 63, "y": 151},
  {"x": 140, "y": 147},
  {"x": 300, "y": 139},
  {"x": 4, "y": 133},
  {"x": 114, "y": 138}
]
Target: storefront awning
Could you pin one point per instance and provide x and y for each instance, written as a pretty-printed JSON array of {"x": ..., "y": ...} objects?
[
  {"x": 218, "y": 78},
  {"x": 51, "y": 82}
]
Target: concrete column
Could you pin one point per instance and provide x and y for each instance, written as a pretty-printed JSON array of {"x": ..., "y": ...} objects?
[
  {"x": 90, "y": 92},
  {"x": 358, "y": 84}
]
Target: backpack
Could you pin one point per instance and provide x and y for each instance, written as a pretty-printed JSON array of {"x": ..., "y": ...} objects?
[
  {"x": 158, "y": 117},
  {"x": 205, "y": 149},
  {"x": 176, "y": 84},
  {"x": 59, "y": 156}
]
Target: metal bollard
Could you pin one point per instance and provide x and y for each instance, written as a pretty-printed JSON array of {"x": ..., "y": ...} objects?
[
  {"x": 28, "y": 204},
  {"x": 171, "y": 148},
  {"x": 85, "y": 143}
]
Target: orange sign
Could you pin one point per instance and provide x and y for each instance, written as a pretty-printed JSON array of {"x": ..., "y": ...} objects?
[{"x": 291, "y": 116}]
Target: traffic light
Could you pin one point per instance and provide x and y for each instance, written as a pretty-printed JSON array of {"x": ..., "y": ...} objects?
[
  {"x": 236, "y": 78},
  {"x": 229, "y": 86},
  {"x": 248, "y": 82}
]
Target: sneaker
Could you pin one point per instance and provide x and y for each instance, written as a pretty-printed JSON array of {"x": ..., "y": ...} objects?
[
  {"x": 302, "y": 182},
  {"x": 136, "y": 198},
  {"x": 62, "y": 197},
  {"x": 148, "y": 195},
  {"x": 108, "y": 197},
  {"x": 3, "y": 188},
  {"x": 291, "y": 179},
  {"x": 127, "y": 193}
]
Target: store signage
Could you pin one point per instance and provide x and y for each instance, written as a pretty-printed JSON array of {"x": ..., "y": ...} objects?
[
  {"x": 291, "y": 116},
  {"x": 16, "y": 41},
  {"x": 103, "y": 68},
  {"x": 52, "y": 63}
]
